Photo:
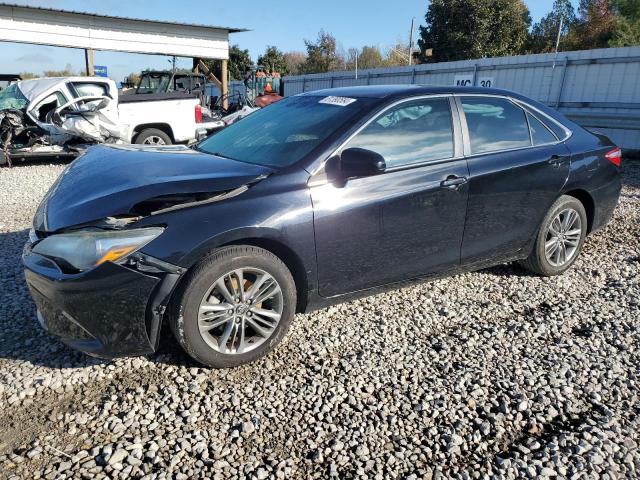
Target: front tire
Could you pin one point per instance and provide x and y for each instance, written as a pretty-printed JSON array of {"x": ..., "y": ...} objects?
[
  {"x": 560, "y": 238},
  {"x": 234, "y": 307}
]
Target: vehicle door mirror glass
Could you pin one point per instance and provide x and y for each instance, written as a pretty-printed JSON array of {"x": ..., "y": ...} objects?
[{"x": 360, "y": 162}]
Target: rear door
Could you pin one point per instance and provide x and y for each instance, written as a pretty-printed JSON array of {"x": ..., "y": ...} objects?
[
  {"x": 406, "y": 222},
  {"x": 517, "y": 168}
]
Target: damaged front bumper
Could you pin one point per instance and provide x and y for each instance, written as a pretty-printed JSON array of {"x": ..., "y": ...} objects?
[{"x": 111, "y": 311}]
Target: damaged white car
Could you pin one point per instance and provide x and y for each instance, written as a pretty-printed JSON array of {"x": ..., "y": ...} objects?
[{"x": 63, "y": 116}]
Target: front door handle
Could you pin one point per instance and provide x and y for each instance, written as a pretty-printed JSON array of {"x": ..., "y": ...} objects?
[{"x": 453, "y": 182}]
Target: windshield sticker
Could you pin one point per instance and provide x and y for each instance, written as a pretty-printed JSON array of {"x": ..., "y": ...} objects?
[{"x": 339, "y": 101}]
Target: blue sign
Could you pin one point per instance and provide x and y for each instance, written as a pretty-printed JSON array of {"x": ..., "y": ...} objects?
[{"x": 100, "y": 71}]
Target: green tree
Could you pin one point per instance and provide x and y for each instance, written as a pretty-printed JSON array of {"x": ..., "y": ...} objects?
[
  {"x": 464, "y": 29},
  {"x": 238, "y": 65},
  {"x": 322, "y": 55},
  {"x": 595, "y": 27},
  {"x": 294, "y": 62},
  {"x": 627, "y": 30},
  {"x": 67, "y": 72},
  {"x": 273, "y": 60},
  {"x": 545, "y": 33},
  {"x": 370, "y": 57}
]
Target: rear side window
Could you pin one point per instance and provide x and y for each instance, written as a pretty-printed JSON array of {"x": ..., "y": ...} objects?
[
  {"x": 86, "y": 89},
  {"x": 495, "y": 124},
  {"x": 412, "y": 132},
  {"x": 540, "y": 134}
]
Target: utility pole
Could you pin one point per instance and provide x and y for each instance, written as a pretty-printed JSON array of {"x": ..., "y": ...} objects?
[
  {"x": 357, "y": 55},
  {"x": 411, "y": 42}
]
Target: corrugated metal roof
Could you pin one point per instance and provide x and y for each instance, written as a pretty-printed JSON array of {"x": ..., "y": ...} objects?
[{"x": 115, "y": 17}]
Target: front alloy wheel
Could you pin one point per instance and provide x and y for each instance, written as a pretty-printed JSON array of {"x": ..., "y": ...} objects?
[
  {"x": 240, "y": 311},
  {"x": 234, "y": 306}
]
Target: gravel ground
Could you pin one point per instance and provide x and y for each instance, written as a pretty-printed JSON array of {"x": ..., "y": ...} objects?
[{"x": 494, "y": 373}]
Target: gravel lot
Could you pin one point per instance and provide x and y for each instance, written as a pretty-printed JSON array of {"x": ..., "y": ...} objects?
[{"x": 489, "y": 373}]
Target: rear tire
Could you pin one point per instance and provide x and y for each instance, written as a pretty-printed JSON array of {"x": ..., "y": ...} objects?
[
  {"x": 205, "y": 309},
  {"x": 559, "y": 239},
  {"x": 153, "y": 136}
]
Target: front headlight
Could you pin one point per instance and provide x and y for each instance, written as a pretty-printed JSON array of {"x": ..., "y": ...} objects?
[{"x": 88, "y": 249}]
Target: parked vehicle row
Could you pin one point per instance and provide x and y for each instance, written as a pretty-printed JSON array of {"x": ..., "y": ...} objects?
[{"x": 319, "y": 198}]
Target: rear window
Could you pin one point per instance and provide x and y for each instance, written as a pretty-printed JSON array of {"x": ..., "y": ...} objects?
[
  {"x": 540, "y": 134},
  {"x": 284, "y": 132},
  {"x": 495, "y": 124}
]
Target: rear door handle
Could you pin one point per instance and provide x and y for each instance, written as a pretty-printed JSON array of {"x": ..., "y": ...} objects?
[
  {"x": 453, "y": 182},
  {"x": 557, "y": 160}
]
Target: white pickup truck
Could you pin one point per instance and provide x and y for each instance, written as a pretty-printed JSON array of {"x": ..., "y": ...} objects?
[{"x": 52, "y": 116}]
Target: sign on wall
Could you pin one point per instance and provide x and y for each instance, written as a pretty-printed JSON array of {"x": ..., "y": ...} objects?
[{"x": 466, "y": 80}]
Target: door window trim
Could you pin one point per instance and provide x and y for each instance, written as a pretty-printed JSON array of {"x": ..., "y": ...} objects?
[
  {"x": 525, "y": 107},
  {"x": 458, "y": 151}
]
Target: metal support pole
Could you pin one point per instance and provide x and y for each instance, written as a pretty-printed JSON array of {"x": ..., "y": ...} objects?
[
  {"x": 475, "y": 74},
  {"x": 88, "y": 61},
  {"x": 564, "y": 74}
]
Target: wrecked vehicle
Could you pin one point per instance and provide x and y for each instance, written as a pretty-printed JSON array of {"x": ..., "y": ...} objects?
[
  {"x": 63, "y": 116},
  {"x": 164, "y": 81},
  {"x": 311, "y": 201}
]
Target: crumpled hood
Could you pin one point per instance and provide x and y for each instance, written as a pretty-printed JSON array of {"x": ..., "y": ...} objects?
[{"x": 109, "y": 181}]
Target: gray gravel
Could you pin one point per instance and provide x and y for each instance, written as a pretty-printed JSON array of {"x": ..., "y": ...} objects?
[{"x": 494, "y": 373}]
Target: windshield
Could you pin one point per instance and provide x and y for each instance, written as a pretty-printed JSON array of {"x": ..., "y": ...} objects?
[
  {"x": 154, "y": 83},
  {"x": 12, "y": 97},
  {"x": 283, "y": 133}
]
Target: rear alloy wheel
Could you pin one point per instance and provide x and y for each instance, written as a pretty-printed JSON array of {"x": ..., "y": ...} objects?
[
  {"x": 234, "y": 307},
  {"x": 559, "y": 239},
  {"x": 153, "y": 136}
]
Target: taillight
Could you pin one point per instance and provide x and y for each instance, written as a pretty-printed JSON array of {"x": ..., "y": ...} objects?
[
  {"x": 198, "y": 114},
  {"x": 614, "y": 156}
]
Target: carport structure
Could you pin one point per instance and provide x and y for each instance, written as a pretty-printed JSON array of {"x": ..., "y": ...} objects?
[{"x": 88, "y": 31}]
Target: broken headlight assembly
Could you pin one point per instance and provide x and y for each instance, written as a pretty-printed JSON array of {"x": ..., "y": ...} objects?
[{"x": 84, "y": 250}]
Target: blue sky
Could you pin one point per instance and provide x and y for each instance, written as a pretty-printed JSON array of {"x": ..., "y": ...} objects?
[{"x": 284, "y": 23}]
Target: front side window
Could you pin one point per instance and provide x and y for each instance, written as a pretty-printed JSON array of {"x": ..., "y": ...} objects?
[
  {"x": 412, "y": 132},
  {"x": 48, "y": 105},
  {"x": 495, "y": 124}
]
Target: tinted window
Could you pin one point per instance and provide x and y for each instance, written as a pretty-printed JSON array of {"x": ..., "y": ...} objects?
[
  {"x": 540, "y": 134},
  {"x": 284, "y": 132},
  {"x": 409, "y": 133},
  {"x": 495, "y": 124}
]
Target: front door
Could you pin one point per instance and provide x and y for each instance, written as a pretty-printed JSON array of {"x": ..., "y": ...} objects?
[{"x": 404, "y": 223}]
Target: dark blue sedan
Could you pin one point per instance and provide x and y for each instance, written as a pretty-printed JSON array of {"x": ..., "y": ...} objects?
[{"x": 314, "y": 200}]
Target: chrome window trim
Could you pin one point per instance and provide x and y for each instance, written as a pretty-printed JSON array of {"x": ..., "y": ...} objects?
[{"x": 457, "y": 134}]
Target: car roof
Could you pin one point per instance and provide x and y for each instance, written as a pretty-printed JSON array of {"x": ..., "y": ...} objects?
[{"x": 400, "y": 91}]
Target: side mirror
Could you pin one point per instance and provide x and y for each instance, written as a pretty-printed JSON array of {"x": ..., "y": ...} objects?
[{"x": 360, "y": 162}]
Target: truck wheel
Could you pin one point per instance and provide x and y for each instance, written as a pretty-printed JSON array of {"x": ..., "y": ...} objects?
[
  {"x": 234, "y": 307},
  {"x": 153, "y": 136}
]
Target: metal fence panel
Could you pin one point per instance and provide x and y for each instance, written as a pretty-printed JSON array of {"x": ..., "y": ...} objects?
[{"x": 599, "y": 89}]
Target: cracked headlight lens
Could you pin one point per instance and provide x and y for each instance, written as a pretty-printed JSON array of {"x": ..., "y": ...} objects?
[{"x": 84, "y": 250}]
